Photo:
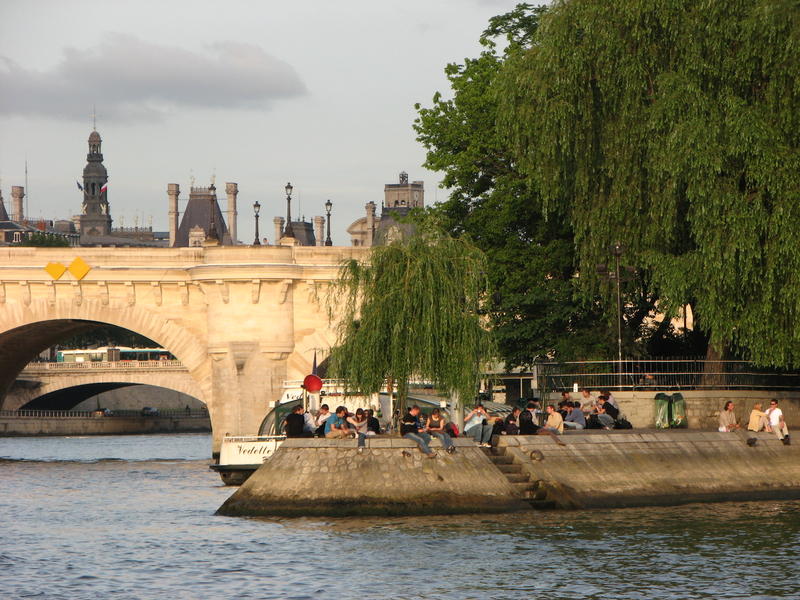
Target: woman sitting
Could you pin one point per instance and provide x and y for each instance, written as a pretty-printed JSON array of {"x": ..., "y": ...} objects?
[
  {"x": 435, "y": 426},
  {"x": 360, "y": 423}
]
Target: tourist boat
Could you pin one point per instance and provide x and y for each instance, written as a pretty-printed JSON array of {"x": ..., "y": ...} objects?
[{"x": 240, "y": 456}]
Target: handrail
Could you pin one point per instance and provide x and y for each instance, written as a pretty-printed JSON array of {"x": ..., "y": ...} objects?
[
  {"x": 94, "y": 414},
  {"x": 123, "y": 365}
]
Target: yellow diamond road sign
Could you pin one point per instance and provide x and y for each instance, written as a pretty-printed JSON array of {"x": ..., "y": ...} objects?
[
  {"x": 79, "y": 268},
  {"x": 55, "y": 270}
]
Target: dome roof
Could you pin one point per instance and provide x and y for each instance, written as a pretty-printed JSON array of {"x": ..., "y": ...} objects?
[{"x": 94, "y": 138}]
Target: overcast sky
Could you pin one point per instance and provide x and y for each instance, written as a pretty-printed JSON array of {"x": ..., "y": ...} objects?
[{"x": 258, "y": 92}]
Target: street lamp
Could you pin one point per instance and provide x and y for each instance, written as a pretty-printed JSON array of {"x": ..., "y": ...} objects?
[
  {"x": 617, "y": 250},
  {"x": 256, "y": 210},
  {"x": 328, "y": 206},
  {"x": 288, "y": 232}
]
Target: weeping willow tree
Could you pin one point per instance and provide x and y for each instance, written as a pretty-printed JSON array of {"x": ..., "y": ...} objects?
[
  {"x": 673, "y": 127},
  {"x": 412, "y": 310}
]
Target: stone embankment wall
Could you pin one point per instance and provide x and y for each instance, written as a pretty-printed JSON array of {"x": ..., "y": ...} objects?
[
  {"x": 21, "y": 426},
  {"x": 629, "y": 468},
  {"x": 702, "y": 407},
  {"x": 308, "y": 477}
]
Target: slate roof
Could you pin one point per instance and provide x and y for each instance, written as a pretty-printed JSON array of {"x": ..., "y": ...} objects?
[{"x": 197, "y": 214}]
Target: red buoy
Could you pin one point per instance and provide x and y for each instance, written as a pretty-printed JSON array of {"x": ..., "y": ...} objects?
[{"x": 312, "y": 383}]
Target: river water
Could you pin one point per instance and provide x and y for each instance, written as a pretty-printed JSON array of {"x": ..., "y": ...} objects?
[{"x": 130, "y": 517}]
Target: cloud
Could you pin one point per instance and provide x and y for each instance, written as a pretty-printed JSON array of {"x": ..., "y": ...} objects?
[{"x": 130, "y": 79}]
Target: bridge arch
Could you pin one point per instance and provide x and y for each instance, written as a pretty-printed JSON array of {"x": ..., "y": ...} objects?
[
  {"x": 25, "y": 331},
  {"x": 63, "y": 390}
]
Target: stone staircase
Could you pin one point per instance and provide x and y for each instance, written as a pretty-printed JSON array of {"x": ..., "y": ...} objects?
[{"x": 530, "y": 490}]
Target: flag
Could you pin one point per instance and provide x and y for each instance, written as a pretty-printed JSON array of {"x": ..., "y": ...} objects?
[
  {"x": 314, "y": 366},
  {"x": 104, "y": 188},
  {"x": 80, "y": 187}
]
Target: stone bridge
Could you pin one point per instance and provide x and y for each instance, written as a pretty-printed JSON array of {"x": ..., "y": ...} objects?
[
  {"x": 241, "y": 320},
  {"x": 61, "y": 386}
]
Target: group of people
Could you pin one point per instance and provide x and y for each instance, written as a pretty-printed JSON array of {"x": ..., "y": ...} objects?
[
  {"x": 333, "y": 425},
  {"x": 771, "y": 420}
]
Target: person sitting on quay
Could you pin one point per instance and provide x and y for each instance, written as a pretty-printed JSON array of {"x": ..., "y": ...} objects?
[
  {"x": 478, "y": 427},
  {"x": 526, "y": 420},
  {"x": 607, "y": 413},
  {"x": 360, "y": 424},
  {"x": 759, "y": 420},
  {"x": 411, "y": 429},
  {"x": 575, "y": 418},
  {"x": 554, "y": 426},
  {"x": 337, "y": 426},
  {"x": 610, "y": 398},
  {"x": 435, "y": 427},
  {"x": 372, "y": 422},
  {"x": 295, "y": 422},
  {"x": 727, "y": 418},
  {"x": 323, "y": 414},
  {"x": 512, "y": 422},
  {"x": 777, "y": 423},
  {"x": 587, "y": 400}
]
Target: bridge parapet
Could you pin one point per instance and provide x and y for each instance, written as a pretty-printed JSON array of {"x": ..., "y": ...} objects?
[{"x": 122, "y": 365}]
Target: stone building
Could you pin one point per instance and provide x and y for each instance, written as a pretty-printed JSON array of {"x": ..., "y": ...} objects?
[
  {"x": 398, "y": 200},
  {"x": 16, "y": 229},
  {"x": 202, "y": 222}
]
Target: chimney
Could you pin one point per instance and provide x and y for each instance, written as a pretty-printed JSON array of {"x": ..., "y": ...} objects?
[
  {"x": 17, "y": 194},
  {"x": 173, "y": 191},
  {"x": 319, "y": 230},
  {"x": 278, "y": 221},
  {"x": 370, "y": 224},
  {"x": 232, "y": 189}
]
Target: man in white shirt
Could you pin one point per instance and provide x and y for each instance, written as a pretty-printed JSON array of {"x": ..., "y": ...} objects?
[{"x": 777, "y": 423}]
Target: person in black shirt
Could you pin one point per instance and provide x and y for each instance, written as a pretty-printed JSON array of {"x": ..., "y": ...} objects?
[
  {"x": 410, "y": 429},
  {"x": 526, "y": 420},
  {"x": 295, "y": 422},
  {"x": 607, "y": 413},
  {"x": 372, "y": 423}
]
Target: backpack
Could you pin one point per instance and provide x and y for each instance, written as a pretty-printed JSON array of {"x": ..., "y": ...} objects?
[
  {"x": 622, "y": 423},
  {"x": 451, "y": 429}
]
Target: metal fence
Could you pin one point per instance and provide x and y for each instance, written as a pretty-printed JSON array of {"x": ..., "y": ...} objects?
[
  {"x": 95, "y": 414},
  {"x": 663, "y": 375}
]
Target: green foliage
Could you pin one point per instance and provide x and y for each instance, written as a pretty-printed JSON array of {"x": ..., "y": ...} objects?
[
  {"x": 672, "y": 126},
  {"x": 532, "y": 308},
  {"x": 45, "y": 240},
  {"x": 412, "y": 310}
]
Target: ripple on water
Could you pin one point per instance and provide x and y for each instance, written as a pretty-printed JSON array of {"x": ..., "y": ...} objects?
[{"x": 144, "y": 527}]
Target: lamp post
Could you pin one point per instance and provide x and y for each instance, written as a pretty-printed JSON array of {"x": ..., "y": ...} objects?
[
  {"x": 288, "y": 232},
  {"x": 617, "y": 250},
  {"x": 256, "y": 210},
  {"x": 328, "y": 206}
]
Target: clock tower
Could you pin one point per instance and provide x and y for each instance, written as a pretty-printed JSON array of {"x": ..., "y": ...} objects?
[
  {"x": 95, "y": 219},
  {"x": 399, "y": 198}
]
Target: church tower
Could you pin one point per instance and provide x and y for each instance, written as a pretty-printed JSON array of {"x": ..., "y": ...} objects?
[{"x": 95, "y": 219}]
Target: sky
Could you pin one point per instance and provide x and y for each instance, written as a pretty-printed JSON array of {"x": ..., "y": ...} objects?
[{"x": 261, "y": 93}]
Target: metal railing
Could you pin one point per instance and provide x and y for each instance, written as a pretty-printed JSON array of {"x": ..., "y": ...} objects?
[
  {"x": 123, "y": 365},
  {"x": 663, "y": 375},
  {"x": 96, "y": 414}
]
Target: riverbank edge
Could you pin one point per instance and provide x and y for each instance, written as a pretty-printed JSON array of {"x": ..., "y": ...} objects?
[
  {"x": 617, "y": 469},
  {"x": 320, "y": 477}
]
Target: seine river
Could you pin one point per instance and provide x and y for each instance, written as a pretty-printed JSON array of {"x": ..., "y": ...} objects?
[{"x": 133, "y": 517}]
